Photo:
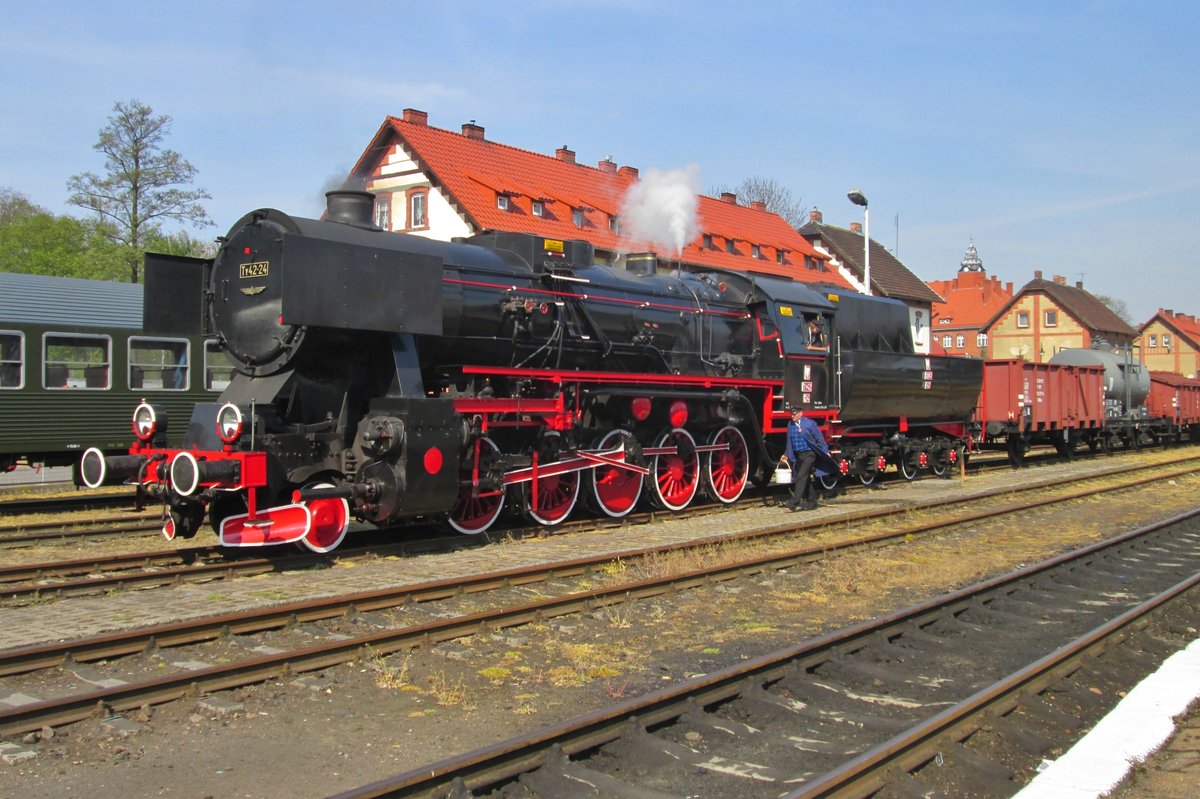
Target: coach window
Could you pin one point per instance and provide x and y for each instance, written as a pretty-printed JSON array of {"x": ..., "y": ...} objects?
[
  {"x": 12, "y": 359},
  {"x": 73, "y": 361},
  {"x": 158, "y": 363},
  {"x": 218, "y": 367}
]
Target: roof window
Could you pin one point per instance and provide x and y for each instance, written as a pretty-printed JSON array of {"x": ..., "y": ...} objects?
[{"x": 502, "y": 202}]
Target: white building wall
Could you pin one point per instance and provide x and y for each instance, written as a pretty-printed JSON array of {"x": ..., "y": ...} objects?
[{"x": 397, "y": 175}]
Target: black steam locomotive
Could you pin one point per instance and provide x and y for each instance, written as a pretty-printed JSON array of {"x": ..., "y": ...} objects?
[{"x": 385, "y": 376}]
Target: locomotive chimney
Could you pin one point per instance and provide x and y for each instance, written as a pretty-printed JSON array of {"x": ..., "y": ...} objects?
[
  {"x": 641, "y": 263},
  {"x": 351, "y": 208}
]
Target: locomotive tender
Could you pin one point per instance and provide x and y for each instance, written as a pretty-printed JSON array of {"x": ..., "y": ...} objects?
[{"x": 384, "y": 376}]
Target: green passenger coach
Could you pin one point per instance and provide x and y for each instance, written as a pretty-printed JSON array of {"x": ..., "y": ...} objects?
[{"x": 73, "y": 362}]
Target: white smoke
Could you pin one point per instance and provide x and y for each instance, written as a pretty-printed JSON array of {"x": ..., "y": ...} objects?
[{"x": 660, "y": 209}]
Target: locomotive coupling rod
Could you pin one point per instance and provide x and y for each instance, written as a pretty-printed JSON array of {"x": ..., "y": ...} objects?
[{"x": 306, "y": 494}]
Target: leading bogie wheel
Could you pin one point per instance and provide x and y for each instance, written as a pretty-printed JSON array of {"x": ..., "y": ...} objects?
[{"x": 330, "y": 521}]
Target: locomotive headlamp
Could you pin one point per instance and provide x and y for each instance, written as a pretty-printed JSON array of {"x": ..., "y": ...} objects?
[
  {"x": 147, "y": 421},
  {"x": 230, "y": 423}
]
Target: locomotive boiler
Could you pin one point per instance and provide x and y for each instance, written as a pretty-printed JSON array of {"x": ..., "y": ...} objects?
[{"x": 384, "y": 376}]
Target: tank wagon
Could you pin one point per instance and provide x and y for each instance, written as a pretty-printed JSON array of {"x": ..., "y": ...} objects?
[{"x": 384, "y": 376}]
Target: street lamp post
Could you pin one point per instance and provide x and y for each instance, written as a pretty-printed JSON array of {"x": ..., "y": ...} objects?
[{"x": 858, "y": 198}]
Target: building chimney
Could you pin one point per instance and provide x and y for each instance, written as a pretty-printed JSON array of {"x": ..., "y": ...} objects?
[
  {"x": 1037, "y": 274},
  {"x": 566, "y": 154},
  {"x": 856, "y": 227},
  {"x": 1008, "y": 287},
  {"x": 729, "y": 197},
  {"x": 608, "y": 166},
  {"x": 628, "y": 171},
  {"x": 415, "y": 117},
  {"x": 472, "y": 131},
  {"x": 815, "y": 215},
  {"x": 1078, "y": 284},
  {"x": 758, "y": 205},
  {"x": 1060, "y": 280}
]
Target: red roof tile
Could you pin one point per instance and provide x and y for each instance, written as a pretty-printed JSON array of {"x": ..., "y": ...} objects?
[
  {"x": 472, "y": 171},
  {"x": 972, "y": 299}
]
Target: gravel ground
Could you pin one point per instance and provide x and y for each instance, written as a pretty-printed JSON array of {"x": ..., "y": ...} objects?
[{"x": 350, "y": 725}]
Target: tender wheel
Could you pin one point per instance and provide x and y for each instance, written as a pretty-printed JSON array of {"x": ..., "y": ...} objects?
[
  {"x": 615, "y": 491},
  {"x": 477, "y": 506},
  {"x": 556, "y": 497},
  {"x": 868, "y": 478},
  {"x": 908, "y": 471},
  {"x": 676, "y": 476},
  {"x": 727, "y": 471},
  {"x": 828, "y": 482},
  {"x": 941, "y": 465},
  {"x": 330, "y": 521}
]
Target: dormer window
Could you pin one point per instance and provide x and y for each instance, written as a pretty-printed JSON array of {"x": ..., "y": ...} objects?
[
  {"x": 502, "y": 202},
  {"x": 708, "y": 241},
  {"x": 614, "y": 224},
  {"x": 729, "y": 246},
  {"x": 755, "y": 251},
  {"x": 779, "y": 256},
  {"x": 577, "y": 217},
  {"x": 538, "y": 208}
]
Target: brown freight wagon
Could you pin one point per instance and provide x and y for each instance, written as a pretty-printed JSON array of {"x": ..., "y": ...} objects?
[
  {"x": 1175, "y": 400},
  {"x": 1023, "y": 404}
]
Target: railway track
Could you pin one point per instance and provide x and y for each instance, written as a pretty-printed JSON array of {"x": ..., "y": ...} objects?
[
  {"x": 121, "y": 685},
  {"x": 961, "y": 695},
  {"x": 82, "y": 576}
]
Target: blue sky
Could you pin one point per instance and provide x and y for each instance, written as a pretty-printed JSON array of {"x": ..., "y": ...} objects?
[{"x": 1063, "y": 137}]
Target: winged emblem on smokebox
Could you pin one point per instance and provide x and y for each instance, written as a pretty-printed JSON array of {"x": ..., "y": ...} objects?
[{"x": 250, "y": 291}]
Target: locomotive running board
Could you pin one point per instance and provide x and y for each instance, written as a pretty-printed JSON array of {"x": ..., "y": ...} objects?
[{"x": 285, "y": 524}]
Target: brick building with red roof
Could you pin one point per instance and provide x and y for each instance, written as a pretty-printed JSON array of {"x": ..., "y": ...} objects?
[
  {"x": 443, "y": 184},
  {"x": 1170, "y": 342},
  {"x": 970, "y": 301}
]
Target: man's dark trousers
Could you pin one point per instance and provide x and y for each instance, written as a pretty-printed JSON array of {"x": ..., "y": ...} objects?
[{"x": 802, "y": 489}]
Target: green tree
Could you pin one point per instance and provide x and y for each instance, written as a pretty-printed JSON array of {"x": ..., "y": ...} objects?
[
  {"x": 35, "y": 241},
  {"x": 143, "y": 185},
  {"x": 777, "y": 198}
]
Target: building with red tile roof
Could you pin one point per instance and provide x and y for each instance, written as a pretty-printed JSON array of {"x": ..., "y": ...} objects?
[
  {"x": 889, "y": 277},
  {"x": 970, "y": 301},
  {"x": 1046, "y": 316},
  {"x": 1170, "y": 342},
  {"x": 442, "y": 184}
]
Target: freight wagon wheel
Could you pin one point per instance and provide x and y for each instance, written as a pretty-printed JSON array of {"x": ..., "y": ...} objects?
[
  {"x": 556, "y": 496},
  {"x": 330, "y": 521},
  {"x": 677, "y": 475},
  {"x": 615, "y": 491},
  {"x": 726, "y": 471},
  {"x": 477, "y": 506}
]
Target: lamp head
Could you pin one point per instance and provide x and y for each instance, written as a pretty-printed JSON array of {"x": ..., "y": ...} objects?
[{"x": 857, "y": 197}]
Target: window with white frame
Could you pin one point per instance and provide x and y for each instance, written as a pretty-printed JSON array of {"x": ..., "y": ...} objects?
[
  {"x": 538, "y": 208},
  {"x": 755, "y": 251},
  {"x": 12, "y": 359},
  {"x": 577, "y": 217},
  {"x": 946, "y": 341},
  {"x": 383, "y": 211},
  {"x": 1051, "y": 318},
  {"x": 981, "y": 340},
  {"x": 1167, "y": 340},
  {"x": 218, "y": 366},
  {"x": 156, "y": 363},
  {"x": 614, "y": 224},
  {"x": 417, "y": 217},
  {"x": 1022, "y": 318},
  {"x": 502, "y": 202},
  {"x": 71, "y": 360},
  {"x": 779, "y": 256},
  {"x": 960, "y": 341},
  {"x": 1153, "y": 340}
]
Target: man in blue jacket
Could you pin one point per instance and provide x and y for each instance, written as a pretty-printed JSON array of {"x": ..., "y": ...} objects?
[{"x": 804, "y": 441}]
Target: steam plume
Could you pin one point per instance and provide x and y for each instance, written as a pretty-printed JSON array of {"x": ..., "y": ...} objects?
[{"x": 660, "y": 209}]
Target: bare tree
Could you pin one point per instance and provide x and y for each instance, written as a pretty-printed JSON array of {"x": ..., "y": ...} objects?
[
  {"x": 1117, "y": 306},
  {"x": 141, "y": 188},
  {"x": 777, "y": 197}
]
